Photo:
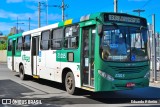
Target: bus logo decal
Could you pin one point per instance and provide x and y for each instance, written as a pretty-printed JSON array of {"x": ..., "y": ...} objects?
[{"x": 26, "y": 58}]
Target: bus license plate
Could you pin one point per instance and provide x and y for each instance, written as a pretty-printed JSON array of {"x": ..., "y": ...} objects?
[{"x": 130, "y": 84}]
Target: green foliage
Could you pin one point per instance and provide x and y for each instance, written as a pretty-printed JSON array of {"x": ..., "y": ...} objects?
[
  {"x": 3, "y": 46},
  {"x": 10, "y": 34},
  {"x": 3, "y": 43}
]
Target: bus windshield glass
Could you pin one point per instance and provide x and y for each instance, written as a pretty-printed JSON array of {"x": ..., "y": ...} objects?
[{"x": 124, "y": 43}]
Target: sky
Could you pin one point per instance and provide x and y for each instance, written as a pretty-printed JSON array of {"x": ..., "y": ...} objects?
[{"x": 23, "y": 9}]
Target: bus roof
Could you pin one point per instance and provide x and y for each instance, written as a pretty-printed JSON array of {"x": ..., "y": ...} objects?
[
  {"x": 72, "y": 21},
  {"x": 14, "y": 36},
  {"x": 63, "y": 23}
]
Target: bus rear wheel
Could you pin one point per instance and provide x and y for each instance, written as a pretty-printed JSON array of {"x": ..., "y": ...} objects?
[
  {"x": 21, "y": 73},
  {"x": 70, "y": 83}
]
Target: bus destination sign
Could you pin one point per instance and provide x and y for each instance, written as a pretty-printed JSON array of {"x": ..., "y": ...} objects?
[{"x": 122, "y": 18}]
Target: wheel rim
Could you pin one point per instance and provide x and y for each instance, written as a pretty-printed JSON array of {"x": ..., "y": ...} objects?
[{"x": 69, "y": 82}]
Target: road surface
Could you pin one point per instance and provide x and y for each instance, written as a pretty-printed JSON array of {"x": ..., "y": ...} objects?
[{"x": 53, "y": 94}]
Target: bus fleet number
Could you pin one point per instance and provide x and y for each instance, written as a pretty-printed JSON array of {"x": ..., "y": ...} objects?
[
  {"x": 120, "y": 75},
  {"x": 61, "y": 55}
]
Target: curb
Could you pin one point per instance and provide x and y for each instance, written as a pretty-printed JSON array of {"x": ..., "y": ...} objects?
[
  {"x": 3, "y": 62},
  {"x": 156, "y": 82}
]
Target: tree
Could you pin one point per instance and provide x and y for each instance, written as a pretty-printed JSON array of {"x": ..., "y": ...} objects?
[
  {"x": 3, "y": 46},
  {"x": 10, "y": 34},
  {"x": 3, "y": 43}
]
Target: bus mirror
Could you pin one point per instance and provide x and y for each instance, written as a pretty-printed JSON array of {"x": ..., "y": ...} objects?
[{"x": 100, "y": 29}]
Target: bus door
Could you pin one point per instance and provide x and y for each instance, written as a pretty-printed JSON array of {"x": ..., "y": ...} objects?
[
  {"x": 35, "y": 53},
  {"x": 88, "y": 47},
  {"x": 13, "y": 54}
]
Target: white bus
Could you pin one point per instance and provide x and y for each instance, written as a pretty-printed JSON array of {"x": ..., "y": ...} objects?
[{"x": 73, "y": 52}]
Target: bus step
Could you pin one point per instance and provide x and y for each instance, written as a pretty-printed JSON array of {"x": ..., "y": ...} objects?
[
  {"x": 36, "y": 76},
  {"x": 87, "y": 88}
]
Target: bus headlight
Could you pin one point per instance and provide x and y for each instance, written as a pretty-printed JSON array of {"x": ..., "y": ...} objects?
[
  {"x": 105, "y": 75},
  {"x": 147, "y": 75}
]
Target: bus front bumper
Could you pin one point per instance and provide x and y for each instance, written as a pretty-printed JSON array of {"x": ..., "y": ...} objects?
[{"x": 105, "y": 85}]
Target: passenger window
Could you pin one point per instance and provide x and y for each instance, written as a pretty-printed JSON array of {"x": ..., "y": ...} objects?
[
  {"x": 27, "y": 42},
  {"x": 71, "y": 36},
  {"x": 10, "y": 45},
  {"x": 45, "y": 37},
  {"x": 57, "y": 38},
  {"x": 19, "y": 44}
]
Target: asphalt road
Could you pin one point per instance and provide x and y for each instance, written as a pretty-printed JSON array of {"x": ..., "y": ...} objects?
[{"x": 54, "y": 94}]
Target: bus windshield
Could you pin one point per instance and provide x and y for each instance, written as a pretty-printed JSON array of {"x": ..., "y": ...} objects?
[{"x": 124, "y": 43}]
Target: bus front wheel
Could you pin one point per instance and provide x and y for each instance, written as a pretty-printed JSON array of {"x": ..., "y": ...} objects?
[
  {"x": 70, "y": 83},
  {"x": 21, "y": 72}
]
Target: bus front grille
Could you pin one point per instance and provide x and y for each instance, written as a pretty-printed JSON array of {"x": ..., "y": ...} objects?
[{"x": 129, "y": 70}]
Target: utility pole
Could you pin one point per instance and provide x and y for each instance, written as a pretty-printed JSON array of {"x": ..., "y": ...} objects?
[
  {"x": 29, "y": 23},
  {"x": 40, "y": 6},
  {"x": 115, "y": 6},
  {"x": 46, "y": 12},
  {"x": 139, "y": 11},
  {"x": 17, "y": 25},
  {"x": 154, "y": 64},
  {"x": 62, "y": 10},
  {"x": 39, "y": 14},
  {"x": 63, "y": 6}
]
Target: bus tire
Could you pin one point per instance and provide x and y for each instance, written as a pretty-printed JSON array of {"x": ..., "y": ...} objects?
[
  {"x": 21, "y": 73},
  {"x": 70, "y": 83}
]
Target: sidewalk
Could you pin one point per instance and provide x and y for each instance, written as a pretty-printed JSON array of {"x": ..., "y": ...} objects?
[
  {"x": 155, "y": 84},
  {"x": 3, "y": 62}
]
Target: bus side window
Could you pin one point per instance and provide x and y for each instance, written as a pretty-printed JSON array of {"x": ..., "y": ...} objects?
[
  {"x": 57, "y": 38},
  {"x": 45, "y": 37},
  {"x": 19, "y": 44},
  {"x": 9, "y": 44},
  {"x": 27, "y": 43},
  {"x": 71, "y": 36}
]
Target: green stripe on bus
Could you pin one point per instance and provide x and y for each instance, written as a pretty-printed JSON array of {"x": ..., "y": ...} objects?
[
  {"x": 87, "y": 23},
  {"x": 62, "y": 55},
  {"x": 18, "y": 53},
  {"x": 14, "y": 37}
]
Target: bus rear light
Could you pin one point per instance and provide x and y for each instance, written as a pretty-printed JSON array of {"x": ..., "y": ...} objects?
[
  {"x": 105, "y": 75},
  {"x": 130, "y": 84}
]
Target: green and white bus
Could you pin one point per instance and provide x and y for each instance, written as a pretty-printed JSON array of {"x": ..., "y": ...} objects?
[{"x": 85, "y": 53}]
